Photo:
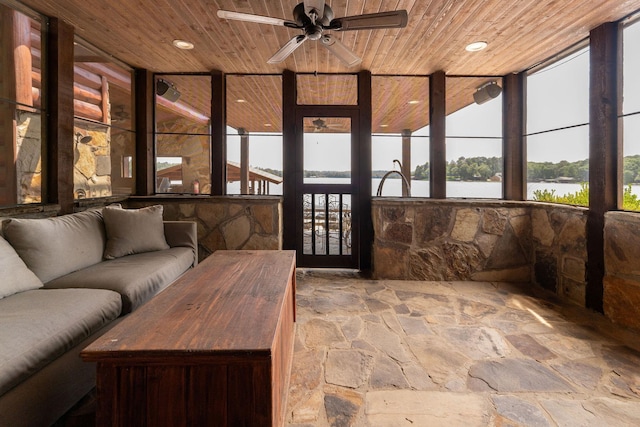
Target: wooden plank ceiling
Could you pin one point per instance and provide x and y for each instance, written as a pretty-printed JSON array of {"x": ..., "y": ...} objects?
[{"x": 519, "y": 34}]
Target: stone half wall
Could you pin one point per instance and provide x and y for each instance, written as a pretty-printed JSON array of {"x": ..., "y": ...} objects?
[
  {"x": 622, "y": 268},
  {"x": 225, "y": 222},
  {"x": 422, "y": 239}
]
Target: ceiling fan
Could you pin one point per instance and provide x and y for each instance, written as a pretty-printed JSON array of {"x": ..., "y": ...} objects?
[
  {"x": 319, "y": 125},
  {"x": 313, "y": 17}
]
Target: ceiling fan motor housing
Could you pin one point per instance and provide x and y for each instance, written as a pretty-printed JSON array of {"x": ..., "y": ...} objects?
[{"x": 313, "y": 31}]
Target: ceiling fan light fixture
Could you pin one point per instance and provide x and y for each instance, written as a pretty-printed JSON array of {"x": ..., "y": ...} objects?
[
  {"x": 183, "y": 44},
  {"x": 476, "y": 46}
]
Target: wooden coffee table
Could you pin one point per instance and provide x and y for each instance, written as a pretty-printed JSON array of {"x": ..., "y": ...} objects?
[{"x": 213, "y": 349}]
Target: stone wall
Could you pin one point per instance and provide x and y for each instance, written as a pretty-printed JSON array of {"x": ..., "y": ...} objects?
[
  {"x": 622, "y": 268},
  {"x": 232, "y": 222},
  {"x": 92, "y": 163},
  {"x": 422, "y": 239},
  {"x": 560, "y": 249},
  {"x": 29, "y": 157}
]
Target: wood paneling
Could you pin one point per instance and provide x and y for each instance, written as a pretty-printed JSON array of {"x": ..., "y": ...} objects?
[{"x": 520, "y": 34}]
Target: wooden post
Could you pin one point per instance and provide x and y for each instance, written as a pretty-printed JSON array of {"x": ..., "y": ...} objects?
[
  {"x": 218, "y": 134},
  {"x": 144, "y": 170},
  {"x": 514, "y": 184},
  {"x": 289, "y": 156},
  {"x": 364, "y": 232},
  {"x": 8, "y": 184},
  {"x": 605, "y": 149},
  {"x": 22, "y": 58},
  {"x": 406, "y": 160},
  {"x": 437, "y": 138},
  {"x": 104, "y": 106},
  {"x": 60, "y": 136},
  {"x": 244, "y": 160}
]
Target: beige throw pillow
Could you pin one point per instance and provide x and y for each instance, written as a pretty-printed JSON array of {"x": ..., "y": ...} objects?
[
  {"x": 132, "y": 231},
  {"x": 14, "y": 275}
]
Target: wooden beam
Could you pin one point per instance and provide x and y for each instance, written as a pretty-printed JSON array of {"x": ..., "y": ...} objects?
[
  {"x": 365, "y": 230},
  {"x": 289, "y": 158},
  {"x": 244, "y": 161},
  {"x": 218, "y": 134},
  {"x": 406, "y": 161},
  {"x": 8, "y": 184},
  {"x": 144, "y": 170},
  {"x": 514, "y": 153},
  {"x": 437, "y": 135},
  {"x": 60, "y": 136},
  {"x": 605, "y": 149}
]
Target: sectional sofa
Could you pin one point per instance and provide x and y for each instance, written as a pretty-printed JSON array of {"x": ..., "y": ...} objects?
[{"x": 63, "y": 282}]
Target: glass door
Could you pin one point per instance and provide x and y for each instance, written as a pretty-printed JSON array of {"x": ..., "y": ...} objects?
[{"x": 326, "y": 190}]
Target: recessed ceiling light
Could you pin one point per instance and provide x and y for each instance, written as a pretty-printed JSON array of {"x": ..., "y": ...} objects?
[
  {"x": 241, "y": 100},
  {"x": 183, "y": 44},
  {"x": 384, "y": 126},
  {"x": 476, "y": 46},
  {"x": 268, "y": 125},
  {"x": 413, "y": 101}
]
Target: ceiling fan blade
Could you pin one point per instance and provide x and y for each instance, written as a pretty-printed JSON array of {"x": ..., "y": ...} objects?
[
  {"x": 372, "y": 21},
  {"x": 287, "y": 49},
  {"x": 317, "y": 5},
  {"x": 343, "y": 53},
  {"x": 258, "y": 19}
]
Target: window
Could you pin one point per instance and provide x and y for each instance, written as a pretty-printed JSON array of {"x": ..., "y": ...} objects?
[
  {"x": 254, "y": 134},
  {"x": 183, "y": 133},
  {"x": 558, "y": 130},
  {"x": 474, "y": 137},
  {"x": 104, "y": 137},
  {"x": 631, "y": 117},
  {"x": 400, "y": 125},
  {"x": 21, "y": 108}
]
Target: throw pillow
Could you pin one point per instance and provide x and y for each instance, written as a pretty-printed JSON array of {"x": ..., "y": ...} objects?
[
  {"x": 132, "y": 231},
  {"x": 16, "y": 277}
]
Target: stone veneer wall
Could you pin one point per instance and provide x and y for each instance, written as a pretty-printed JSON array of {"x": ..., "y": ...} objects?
[
  {"x": 622, "y": 268},
  {"x": 225, "y": 222},
  {"x": 424, "y": 239}
]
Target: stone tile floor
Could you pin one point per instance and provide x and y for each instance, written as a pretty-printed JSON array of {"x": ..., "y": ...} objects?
[{"x": 407, "y": 353}]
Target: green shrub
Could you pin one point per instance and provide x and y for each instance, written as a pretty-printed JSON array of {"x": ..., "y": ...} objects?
[{"x": 630, "y": 201}]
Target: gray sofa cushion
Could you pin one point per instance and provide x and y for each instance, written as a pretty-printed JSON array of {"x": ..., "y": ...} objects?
[
  {"x": 14, "y": 275},
  {"x": 132, "y": 231},
  {"x": 53, "y": 247},
  {"x": 38, "y": 326},
  {"x": 135, "y": 277}
]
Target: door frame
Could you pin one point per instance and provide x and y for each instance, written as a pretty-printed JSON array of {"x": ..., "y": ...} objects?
[{"x": 290, "y": 157}]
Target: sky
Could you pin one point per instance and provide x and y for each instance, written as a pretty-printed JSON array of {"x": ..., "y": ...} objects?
[{"x": 566, "y": 83}]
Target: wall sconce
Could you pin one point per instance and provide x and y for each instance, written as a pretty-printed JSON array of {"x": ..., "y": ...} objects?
[
  {"x": 167, "y": 90},
  {"x": 487, "y": 92},
  {"x": 84, "y": 139}
]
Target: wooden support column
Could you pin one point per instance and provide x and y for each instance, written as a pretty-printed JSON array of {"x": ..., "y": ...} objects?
[
  {"x": 144, "y": 163},
  {"x": 60, "y": 137},
  {"x": 365, "y": 228},
  {"x": 406, "y": 160},
  {"x": 244, "y": 160},
  {"x": 289, "y": 156},
  {"x": 8, "y": 184},
  {"x": 514, "y": 185},
  {"x": 605, "y": 149},
  {"x": 437, "y": 135},
  {"x": 218, "y": 134}
]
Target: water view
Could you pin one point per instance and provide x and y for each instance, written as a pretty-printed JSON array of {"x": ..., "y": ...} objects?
[{"x": 455, "y": 189}]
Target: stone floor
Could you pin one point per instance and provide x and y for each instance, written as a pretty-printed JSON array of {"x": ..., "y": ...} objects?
[{"x": 402, "y": 353}]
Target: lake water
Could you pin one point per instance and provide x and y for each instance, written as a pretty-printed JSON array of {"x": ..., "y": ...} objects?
[{"x": 455, "y": 189}]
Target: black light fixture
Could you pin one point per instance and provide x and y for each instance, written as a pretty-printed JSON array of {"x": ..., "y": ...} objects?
[
  {"x": 487, "y": 92},
  {"x": 167, "y": 90},
  {"x": 84, "y": 139}
]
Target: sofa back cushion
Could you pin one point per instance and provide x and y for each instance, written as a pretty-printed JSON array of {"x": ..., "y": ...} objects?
[
  {"x": 53, "y": 247},
  {"x": 14, "y": 275},
  {"x": 133, "y": 231}
]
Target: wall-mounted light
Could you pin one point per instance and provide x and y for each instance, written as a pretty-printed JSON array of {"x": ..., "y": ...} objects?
[
  {"x": 167, "y": 90},
  {"x": 487, "y": 92}
]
